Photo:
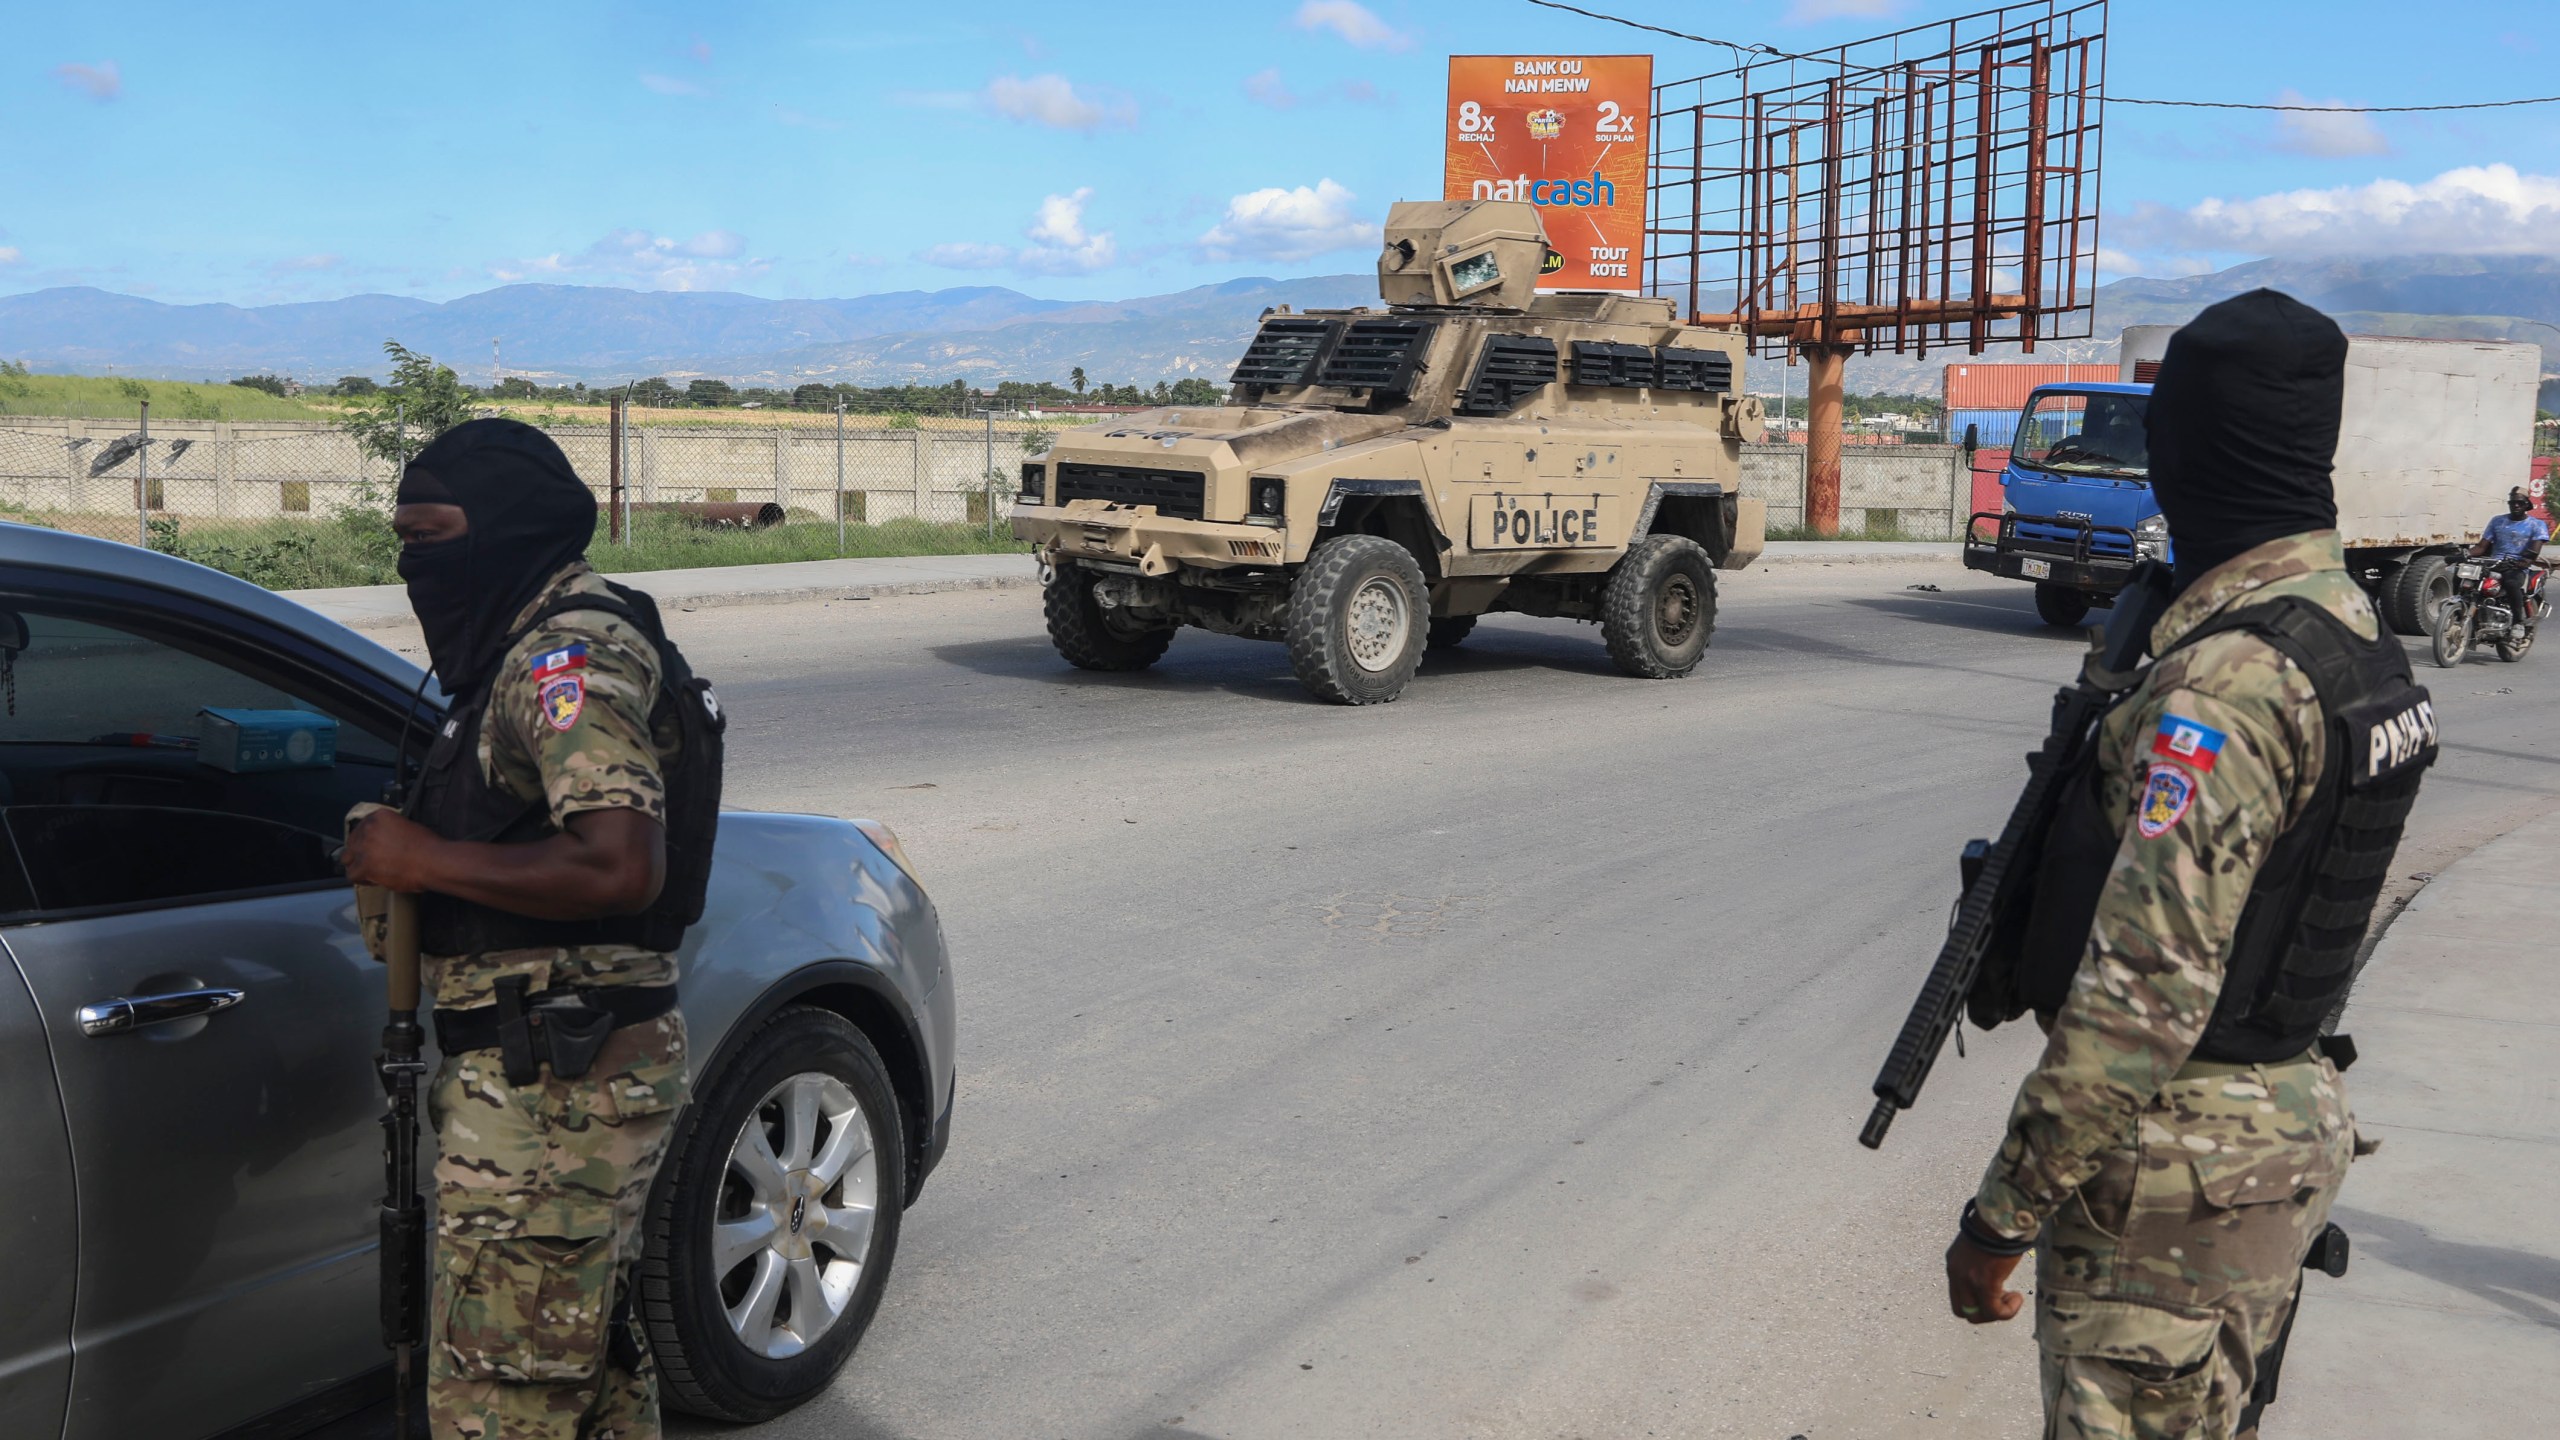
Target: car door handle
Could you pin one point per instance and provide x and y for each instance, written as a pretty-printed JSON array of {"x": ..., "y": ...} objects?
[{"x": 132, "y": 1012}]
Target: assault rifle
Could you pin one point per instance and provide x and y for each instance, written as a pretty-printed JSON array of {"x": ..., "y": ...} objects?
[
  {"x": 1997, "y": 876},
  {"x": 404, "y": 1214}
]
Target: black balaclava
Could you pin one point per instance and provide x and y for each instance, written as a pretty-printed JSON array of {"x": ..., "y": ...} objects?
[
  {"x": 529, "y": 515},
  {"x": 2244, "y": 427}
]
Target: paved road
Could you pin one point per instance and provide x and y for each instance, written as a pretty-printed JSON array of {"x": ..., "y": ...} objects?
[{"x": 1486, "y": 1064}]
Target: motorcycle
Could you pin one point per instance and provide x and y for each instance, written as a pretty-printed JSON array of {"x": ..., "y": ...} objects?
[{"x": 2480, "y": 612}]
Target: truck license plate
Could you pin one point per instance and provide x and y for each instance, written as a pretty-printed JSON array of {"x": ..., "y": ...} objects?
[
  {"x": 1542, "y": 520},
  {"x": 2036, "y": 569}
]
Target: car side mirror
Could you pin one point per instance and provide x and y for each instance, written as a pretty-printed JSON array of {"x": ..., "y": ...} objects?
[{"x": 1972, "y": 441}]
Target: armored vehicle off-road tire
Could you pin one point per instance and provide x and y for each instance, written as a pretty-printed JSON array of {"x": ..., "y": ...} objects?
[
  {"x": 1450, "y": 632},
  {"x": 1092, "y": 638},
  {"x": 1658, "y": 611},
  {"x": 2061, "y": 605},
  {"x": 1359, "y": 615},
  {"x": 2410, "y": 594},
  {"x": 772, "y": 1230}
]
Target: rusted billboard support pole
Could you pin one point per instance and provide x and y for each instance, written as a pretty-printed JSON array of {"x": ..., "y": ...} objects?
[{"x": 1826, "y": 367}]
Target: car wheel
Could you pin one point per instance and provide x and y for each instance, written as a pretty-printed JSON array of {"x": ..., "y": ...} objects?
[
  {"x": 2061, "y": 605},
  {"x": 1450, "y": 632},
  {"x": 1658, "y": 610},
  {"x": 1092, "y": 638},
  {"x": 772, "y": 1230},
  {"x": 1358, "y": 618},
  {"x": 2411, "y": 594}
]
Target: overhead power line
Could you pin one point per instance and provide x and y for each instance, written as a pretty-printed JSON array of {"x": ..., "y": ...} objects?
[{"x": 1741, "y": 48}]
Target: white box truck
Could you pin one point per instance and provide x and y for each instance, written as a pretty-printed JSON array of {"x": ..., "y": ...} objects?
[{"x": 2432, "y": 435}]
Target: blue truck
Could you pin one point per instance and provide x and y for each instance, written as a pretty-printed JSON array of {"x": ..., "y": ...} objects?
[
  {"x": 2075, "y": 500},
  {"x": 2432, "y": 436}
]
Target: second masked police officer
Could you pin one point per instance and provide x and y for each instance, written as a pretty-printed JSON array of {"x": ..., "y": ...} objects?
[
  {"x": 2174, "y": 1154},
  {"x": 559, "y": 839}
]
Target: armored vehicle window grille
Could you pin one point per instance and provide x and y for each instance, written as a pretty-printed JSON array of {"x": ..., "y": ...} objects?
[
  {"x": 1510, "y": 368},
  {"x": 1379, "y": 356},
  {"x": 1707, "y": 370},
  {"x": 1605, "y": 362},
  {"x": 1286, "y": 352},
  {"x": 1176, "y": 494}
]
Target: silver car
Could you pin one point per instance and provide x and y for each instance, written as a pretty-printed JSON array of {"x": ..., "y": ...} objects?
[{"x": 190, "y": 1153}]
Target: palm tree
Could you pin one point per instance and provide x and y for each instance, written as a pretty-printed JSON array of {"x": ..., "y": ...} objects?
[{"x": 1075, "y": 377}]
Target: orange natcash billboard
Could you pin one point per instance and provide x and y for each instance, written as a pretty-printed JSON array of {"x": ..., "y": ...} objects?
[{"x": 1569, "y": 134}]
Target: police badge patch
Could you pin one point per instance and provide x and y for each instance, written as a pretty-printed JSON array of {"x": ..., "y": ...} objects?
[
  {"x": 562, "y": 699},
  {"x": 2164, "y": 799}
]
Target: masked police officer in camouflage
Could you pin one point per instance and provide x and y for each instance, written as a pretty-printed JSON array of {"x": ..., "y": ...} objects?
[
  {"x": 2174, "y": 1154},
  {"x": 538, "y": 840}
]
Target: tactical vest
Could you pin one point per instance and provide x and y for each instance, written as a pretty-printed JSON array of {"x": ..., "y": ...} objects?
[
  {"x": 455, "y": 799},
  {"x": 2293, "y": 954}
]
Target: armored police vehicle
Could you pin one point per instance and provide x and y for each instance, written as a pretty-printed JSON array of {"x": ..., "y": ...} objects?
[{"x": 1380, "y": 477}]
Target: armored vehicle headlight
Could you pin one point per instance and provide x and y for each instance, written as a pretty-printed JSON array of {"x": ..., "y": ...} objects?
[
  {"x": 1035, "y": 482},
  {"x": 1269, "y": 496}
]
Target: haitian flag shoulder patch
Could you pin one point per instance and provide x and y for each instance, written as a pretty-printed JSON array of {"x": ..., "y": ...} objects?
[
  {"x": 2166, "y": 797},
  {"x": 2189, "y": 742},
  {"x": 558, "y": 662}
]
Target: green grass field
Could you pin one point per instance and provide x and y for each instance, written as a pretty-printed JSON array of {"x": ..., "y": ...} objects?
[
  {"x": 357, "y": 548},
  {"x": 98, "y": 396}
]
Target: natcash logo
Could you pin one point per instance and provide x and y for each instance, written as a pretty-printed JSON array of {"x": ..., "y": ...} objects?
[{"x": 1594, "y": 191}]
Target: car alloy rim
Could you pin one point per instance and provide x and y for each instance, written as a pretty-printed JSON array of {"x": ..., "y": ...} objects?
[
  {"x": 1675, "y": 611},
  {"x": 793, "y": 1225},
  {"x": 1377, "y": 623}
]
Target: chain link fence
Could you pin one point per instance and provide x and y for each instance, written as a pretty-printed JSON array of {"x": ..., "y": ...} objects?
[{"x": 296, "y": 505}]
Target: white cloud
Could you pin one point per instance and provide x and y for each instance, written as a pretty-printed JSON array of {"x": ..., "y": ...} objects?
[
  {"x": 1807, "y": 12},
  {"x": 101, "y": 82},
  {"x": 9, "y": 255},
  {"x": 2475, "y": 210},
  {"x": 1265, "y": 87},
  {"x": 1060, "y": 244},
  {"x": 1355, "y": 23},
  {"x": 1054, "y": 101},
  {"x": 708, "y": 261},
  {"x": 1278, "y": 224},
  {"x": 967, "y": 255},
  {"x": 2328, "y": 133},
  {"x": 670, "y": 85},
  {"x": 1269, "y": 87}
]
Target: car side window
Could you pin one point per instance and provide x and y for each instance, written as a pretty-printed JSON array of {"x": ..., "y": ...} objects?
[{"x": 136, "y": 772}]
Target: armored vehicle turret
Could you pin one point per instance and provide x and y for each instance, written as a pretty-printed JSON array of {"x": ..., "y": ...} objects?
[{"x": 1379, "y": 478}]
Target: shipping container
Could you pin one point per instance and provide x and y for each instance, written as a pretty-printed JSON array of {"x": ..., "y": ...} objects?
[
  {"x": 1974, "y": 385},
  {"x": 1991, "y": 427}
]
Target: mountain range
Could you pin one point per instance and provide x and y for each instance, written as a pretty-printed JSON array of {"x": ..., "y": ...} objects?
[{"x": 559, "y": 333}]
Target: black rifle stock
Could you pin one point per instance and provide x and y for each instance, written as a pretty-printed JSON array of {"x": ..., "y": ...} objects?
[{"x": 1991, "y": 868}]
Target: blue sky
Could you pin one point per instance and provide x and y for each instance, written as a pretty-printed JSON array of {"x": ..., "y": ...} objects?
[{"x": 291, "y": 151}]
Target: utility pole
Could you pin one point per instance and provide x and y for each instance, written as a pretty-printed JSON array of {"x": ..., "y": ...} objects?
[{"x": 496, "y": 375}]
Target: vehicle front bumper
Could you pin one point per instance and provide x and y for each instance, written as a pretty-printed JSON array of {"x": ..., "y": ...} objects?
[
  {"x": 1136, "y": 536},
  {"x": 2075, "y": 563}
]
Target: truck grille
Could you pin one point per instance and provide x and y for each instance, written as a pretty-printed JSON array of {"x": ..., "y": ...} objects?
[
  {"x": 1285, "y": 352},
  {"x": 1177, "y": 494},
  {"x": 1511, "y": 368},
  {"x": 1686, "y": 369},
  {"x": 1376, "y": 355}
]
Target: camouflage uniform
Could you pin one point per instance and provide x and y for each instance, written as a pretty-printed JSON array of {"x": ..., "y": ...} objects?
[
  {"x": 539, "y": 1188},
  {"x": 2176, "y": 1197}
]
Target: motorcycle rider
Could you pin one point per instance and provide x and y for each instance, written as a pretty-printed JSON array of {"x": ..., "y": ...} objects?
[{"x": 2514, "y": 542}]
